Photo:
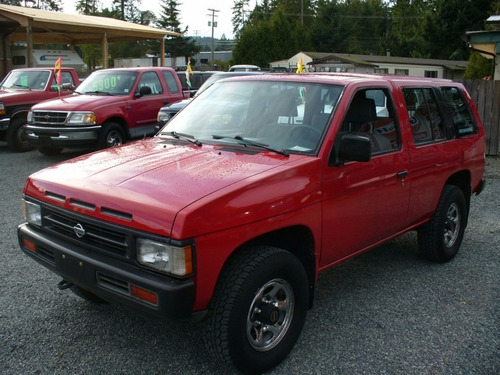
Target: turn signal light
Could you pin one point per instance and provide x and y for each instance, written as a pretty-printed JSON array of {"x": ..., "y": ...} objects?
[
  {"x": 29, "y": 245},
  {"x": 144, "y": 294}
]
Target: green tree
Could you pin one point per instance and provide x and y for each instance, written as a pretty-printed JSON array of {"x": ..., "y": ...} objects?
[
  {"x": 405, "y": 28},
  {"x": 239, "y": 17},
  {"x": 53, "y": 5},
  {"x": 175, "y": 46},
  {"x": 127, "y": 10},
  {"x": 447, "y": 21},
  {"x": 478, "y": 67},
  {"x": 275, "y": 30},
  {"x": 11, "y": 2},
  {"x": 88, "y": 7},
  {"x": 355, "y": 26}
]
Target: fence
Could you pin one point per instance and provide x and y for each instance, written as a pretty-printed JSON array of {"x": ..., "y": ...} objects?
[{"x": 486, "y": 95}]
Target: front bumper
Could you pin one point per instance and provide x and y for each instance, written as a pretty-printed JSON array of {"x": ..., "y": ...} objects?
[
  {"x": 109, "y": 278},
  {"x": 58, "y": 136},
  {"x": 4, "y": 123}
]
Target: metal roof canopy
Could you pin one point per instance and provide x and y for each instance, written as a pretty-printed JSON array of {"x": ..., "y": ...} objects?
[{"x": 35, "y": 26}]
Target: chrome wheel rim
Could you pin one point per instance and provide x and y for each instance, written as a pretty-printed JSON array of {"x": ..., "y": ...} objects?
[
  {"x": 114, "y": 139},
  {"x": 270, "y": 315},
  {"x": 451, "y": 225}
]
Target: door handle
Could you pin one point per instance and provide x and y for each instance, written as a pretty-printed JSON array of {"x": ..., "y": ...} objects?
[
  {"x": 401, "y": 175},
  {"x": 166, "y": 102}
]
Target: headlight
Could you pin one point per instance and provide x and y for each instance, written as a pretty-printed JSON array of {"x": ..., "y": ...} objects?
[
  {"x": 82, "y": 118},
  {"x": 29, "y": 118},
  {"x": 165, "y": 258},
  {"x": 163, "y": 117},
  {"x": 32, "y": 213},
  {"x": 2, "y": 108}
]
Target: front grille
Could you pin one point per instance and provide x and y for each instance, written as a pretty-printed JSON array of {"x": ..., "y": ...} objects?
[
  {"x": 49, "y": 117},
  {"x": 99, "y": 235}
]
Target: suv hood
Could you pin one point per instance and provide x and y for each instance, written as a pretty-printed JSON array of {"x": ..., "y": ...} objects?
[
  {"x": 76, "y": 102},
  {"x": 148, "y": 183}
]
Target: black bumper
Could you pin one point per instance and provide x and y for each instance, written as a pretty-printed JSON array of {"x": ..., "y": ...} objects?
[{"x": 109, "y": 278}]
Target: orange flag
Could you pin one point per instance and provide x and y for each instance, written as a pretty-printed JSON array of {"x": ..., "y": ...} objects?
[{"x": 57, "y": 73}]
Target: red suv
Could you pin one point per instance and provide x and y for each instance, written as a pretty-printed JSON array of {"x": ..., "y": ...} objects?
[
  {"x": 110, "y": 107},
  {"x": 247, "y": 194}
]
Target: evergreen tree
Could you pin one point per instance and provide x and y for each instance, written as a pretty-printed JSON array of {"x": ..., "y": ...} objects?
[
  {"x": 11, "y": 2},
  {"x": 448, "y": 20},
  {"x": 88, "y": 7},
  {"x": 405, "y": 28},
  {"x": 239, "y": 18},
  {"x": 175, "y": 46},
  {"x": 479, "y": 67},
  {"x": 53, "y": 5}
]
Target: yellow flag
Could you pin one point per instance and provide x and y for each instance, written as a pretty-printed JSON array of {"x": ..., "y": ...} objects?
[
  {"x": 188, "y": 71},
  {"x": 300, "y": 66}
]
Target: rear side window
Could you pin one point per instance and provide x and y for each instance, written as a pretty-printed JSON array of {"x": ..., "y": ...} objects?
[
  {"x": 171, "y": 82},
  {"x": 459, "y": 111},
  {"x": 423, "y": 112}
]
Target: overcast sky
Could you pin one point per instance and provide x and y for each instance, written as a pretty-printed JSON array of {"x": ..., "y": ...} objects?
[{"x": 193, "y": 13}]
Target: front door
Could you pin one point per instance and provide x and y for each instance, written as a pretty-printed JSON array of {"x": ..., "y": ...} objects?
[{"x": 366, "y": 202}]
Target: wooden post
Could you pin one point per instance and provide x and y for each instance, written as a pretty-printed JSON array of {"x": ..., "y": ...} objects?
[
  {"x": 162, "y": 51},
  {"x": 29, "y": 42},
  {"x": 104, "y": 50}
]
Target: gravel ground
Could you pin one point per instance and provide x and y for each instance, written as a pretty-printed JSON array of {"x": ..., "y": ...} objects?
[{"x": 384, "y": 312}]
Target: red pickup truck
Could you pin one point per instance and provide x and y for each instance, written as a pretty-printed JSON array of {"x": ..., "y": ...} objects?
[
  {"x": 110, "y": 107},
  {"x": 21, "y": 89},
  {"x": 258, "y": 185}
]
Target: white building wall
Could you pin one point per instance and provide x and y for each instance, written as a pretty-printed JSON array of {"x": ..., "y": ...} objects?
[{"x": 413, "y": 70}]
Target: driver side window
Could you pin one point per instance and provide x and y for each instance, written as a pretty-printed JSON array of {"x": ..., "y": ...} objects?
[
  {"x": 151, "y": 80},
  {"x": 371, "y": 113}
]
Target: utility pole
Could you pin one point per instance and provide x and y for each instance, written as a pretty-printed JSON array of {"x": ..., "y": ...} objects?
[
  {"x": 213, "y": 24},
  {"x": 302, "y": 12}
]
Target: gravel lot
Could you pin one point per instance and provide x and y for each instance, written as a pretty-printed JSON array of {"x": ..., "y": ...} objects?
[{"x": 385, "y": 312}]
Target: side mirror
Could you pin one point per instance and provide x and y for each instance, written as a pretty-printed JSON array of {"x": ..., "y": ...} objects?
[
  {"x": 68, "y": 86},
  {"x": 351, "y": 147},
  {"x": 144, "y": 90}
]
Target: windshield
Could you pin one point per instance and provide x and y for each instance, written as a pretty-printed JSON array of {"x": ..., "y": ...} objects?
[
  {"x": 281, "y": 115},
  {"x": 108, "y": 82},
  {"x": 25, "y": 79}
]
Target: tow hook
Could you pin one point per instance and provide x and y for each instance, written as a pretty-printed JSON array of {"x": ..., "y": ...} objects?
[{"x": 64, "y": 284}]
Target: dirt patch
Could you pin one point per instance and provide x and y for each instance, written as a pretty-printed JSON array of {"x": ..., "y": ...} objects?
[{"x": 492, "y": 168}]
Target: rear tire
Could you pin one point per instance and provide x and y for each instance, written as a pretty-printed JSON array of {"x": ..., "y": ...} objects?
[
  {"x": 258, "y": 309},
  {"x": 439, "y": 240}
]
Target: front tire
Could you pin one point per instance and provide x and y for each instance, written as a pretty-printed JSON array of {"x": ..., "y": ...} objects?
[
  {"x": 111, "y": 136},
  {"x": 439, "y": 240},
  {"x": 16, "y": 136},
  {"x": 258, "y": 309}
]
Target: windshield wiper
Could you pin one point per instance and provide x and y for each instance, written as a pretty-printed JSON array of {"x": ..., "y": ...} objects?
[
  {"x": 247, "y": 142},
  {"x": 16, "y": 85},
  {"x": 96, "y": 93},
  {"x": 185, "y": 137}
]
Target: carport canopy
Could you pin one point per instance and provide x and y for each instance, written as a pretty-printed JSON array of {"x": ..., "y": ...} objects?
[{"x": 35, "y": 26}]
